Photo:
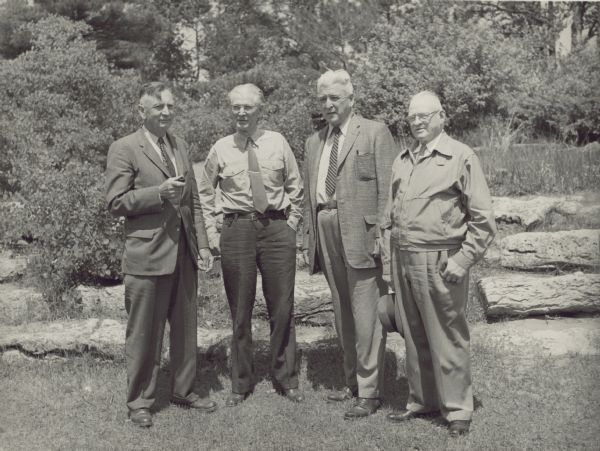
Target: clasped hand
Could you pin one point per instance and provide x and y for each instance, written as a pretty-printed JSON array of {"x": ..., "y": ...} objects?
[{"x": 453, "y": 272}]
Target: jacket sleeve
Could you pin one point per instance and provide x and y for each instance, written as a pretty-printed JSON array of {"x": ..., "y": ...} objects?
[
  {"x": 198, "y": 215},
  {"x": 307, "y": 216},
  {"x": 481, "y": 223},
  {"x": 207, "y": 183},
  {"x": 385, "y": 154},
  {"x": 123, "y": 198}
]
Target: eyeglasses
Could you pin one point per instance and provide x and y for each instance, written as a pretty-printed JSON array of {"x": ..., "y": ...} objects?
[
  {"x": 238, "y": 108},
  {"x": 332, "y": 99},
  {"x": 423, "y": 117}
]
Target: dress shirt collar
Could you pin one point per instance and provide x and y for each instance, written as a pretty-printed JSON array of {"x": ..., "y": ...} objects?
[
  {"x": 152, "y": 137},
  {"x": 343, "y": 127},
  {"x": 439, "y": 143},
  {"x": 241, "y": 140}
]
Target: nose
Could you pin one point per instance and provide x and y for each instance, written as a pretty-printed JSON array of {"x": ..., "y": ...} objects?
[{"x": 166, "y": 110}]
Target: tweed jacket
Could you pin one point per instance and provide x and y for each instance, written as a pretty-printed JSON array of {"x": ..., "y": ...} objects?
[{"x": 362, "y": 189}]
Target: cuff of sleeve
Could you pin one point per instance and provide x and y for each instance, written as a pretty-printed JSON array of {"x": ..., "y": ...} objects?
[
  {"x": 386, "y": 268},
  {"x": 462, "y": 260},
  {"x": 293, "y": 223}
]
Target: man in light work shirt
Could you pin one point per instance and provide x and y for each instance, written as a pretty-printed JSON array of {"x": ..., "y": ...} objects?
[
  {"x": 441, "y": 223},
  {"x": 261, "y": 199}
]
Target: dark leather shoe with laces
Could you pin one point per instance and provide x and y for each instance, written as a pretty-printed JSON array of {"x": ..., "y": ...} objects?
[
  {"x": 344, "y": 394},
  {"x": 293, "y": 394},
  {"x": 363, "y": 407},
  {"x": 204, "y": 405},
  {"x": 459, "y": 427},
  {"x": 235, "y": 398},
  {"x": 406, "y": 415},
  {"x": 141, "y": 417}
]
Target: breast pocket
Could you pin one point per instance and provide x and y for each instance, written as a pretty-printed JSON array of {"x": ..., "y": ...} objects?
[
  {"x": 272, "y": 172},
  {"x": 365, "y": 166},
  {"x": 234, "y": 178}
]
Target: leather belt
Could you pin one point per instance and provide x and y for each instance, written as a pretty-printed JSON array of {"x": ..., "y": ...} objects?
[
  {"x": 329, "y": 205},
  {"x": 255, "y": 215}
]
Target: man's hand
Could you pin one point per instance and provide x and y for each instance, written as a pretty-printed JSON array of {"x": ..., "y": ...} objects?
[
  {"x": 453, "y": 272},
  {"x": 171, "y": 188},
  {"x": 306, "y": 256},
  {"x": 205, "y": 259},
  {"x": 214, "y": 246}
]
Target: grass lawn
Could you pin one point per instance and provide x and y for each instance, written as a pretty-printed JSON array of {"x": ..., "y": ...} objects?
[{"x": 78, "y": 404}]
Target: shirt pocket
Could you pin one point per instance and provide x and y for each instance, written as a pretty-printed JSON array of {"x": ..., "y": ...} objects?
[
  {"x": 234, "y": 178},
  {"x": 272, "y": 172},
  {"x": 365, "y": 166}
]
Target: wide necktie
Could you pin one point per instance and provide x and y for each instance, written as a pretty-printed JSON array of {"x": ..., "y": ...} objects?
[
  {"x": 166, "y": 160},
  {"x": 333, "y": 164},
  {"x": 259, "y": 195}
]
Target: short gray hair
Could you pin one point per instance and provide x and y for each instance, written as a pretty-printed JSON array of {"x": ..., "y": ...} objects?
[
  {"x": 255, "y": 90},
  {"x": 432, "y": 95},
  {"x": 339, "y": 76}
]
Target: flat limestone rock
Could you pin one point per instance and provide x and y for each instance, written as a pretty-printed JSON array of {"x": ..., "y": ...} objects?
[
  {"x": 543, "y": 250},
  {"x": 103, "y": 301},
  {"x": 525, "y": 295},
  {"x": 530, "y": 337},
  {"x": 18, "y": 304},
  {"x": 312, "y": 300},
  {"x": 530, "y": 212}
]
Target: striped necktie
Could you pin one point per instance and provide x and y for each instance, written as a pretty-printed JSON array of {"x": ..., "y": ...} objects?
[
  {"x": 333, "y": 164},
  {"x": 166, "y": 160}
]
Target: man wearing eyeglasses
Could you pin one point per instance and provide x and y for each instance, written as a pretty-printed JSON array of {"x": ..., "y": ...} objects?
[
  {"x": 347, "y": 172},
  {"x": 441, "y": 223},
  {"x": 261, "y": 193}
]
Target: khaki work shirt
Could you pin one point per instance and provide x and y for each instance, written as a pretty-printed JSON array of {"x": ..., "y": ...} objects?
[
  {"x": 227, "y": 167},
  {"x": 441, "y": 201}
]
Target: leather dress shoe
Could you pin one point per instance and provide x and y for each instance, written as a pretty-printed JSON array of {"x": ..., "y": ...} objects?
[
  {"x": 344, "y": 394},
  {"x": 141, "y": 417},
  {"x": 459, "y": 427},
  {"x": 203, "y": 405},
  {"x": 363, "y": 407},
  {"x": 293, "y": 394},
  {"x": 235, "y": 398},
  {"x": 405, "y": 415}
]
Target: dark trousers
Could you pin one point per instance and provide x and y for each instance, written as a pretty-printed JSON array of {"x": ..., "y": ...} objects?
[
  {"x": 270, "y": 245},
  {"x": 150, "y": 301}
]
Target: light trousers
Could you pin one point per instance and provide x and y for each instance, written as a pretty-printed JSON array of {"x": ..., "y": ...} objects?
[
  {"x": 354, "y": 294},
  {"x": 436, "y": 333}
]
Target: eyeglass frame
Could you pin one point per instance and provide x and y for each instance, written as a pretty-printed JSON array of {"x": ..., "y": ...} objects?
[
  {"x": 323, "y": 99},
  {"x": 424, "y": 118}
]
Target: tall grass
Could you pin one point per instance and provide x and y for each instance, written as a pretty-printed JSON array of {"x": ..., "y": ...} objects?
[{"x": 516, "y": 168}]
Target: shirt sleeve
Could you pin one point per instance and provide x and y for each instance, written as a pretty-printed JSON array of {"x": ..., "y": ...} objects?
[
  {"x": 293, "y": 186},
  {"x": 208, "y": 180},
  {"x": 481, "y": 223}
]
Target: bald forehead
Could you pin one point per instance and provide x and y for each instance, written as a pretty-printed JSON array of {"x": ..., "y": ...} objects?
[{"x": 424, "y": 101}]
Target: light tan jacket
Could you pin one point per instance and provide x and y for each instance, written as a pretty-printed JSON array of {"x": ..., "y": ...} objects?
[{"x": 441, "y": 202}]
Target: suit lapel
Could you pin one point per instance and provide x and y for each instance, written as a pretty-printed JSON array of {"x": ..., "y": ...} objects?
[
  {"x": 353, "y": 129},
  {"x": 322, "y": 137},
  {"x": 179, "y": 160},
  {"x": 149, "y": 151}
]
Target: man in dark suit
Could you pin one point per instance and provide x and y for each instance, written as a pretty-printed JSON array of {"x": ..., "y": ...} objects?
[
  {"x": 347, "y": 172},
  {"x": 150, "y": 181}
]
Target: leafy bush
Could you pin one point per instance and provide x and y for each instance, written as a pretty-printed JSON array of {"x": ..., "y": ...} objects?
[{"x": 77, "y": 239}]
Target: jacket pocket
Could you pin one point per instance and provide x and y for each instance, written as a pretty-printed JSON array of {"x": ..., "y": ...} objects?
[{"x": 365, "y": 166}]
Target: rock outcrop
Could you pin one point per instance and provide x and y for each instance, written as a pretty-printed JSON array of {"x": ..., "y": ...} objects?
[
  {"x": 543, "y": 250},
  {"x": 532, "y": 212},
  {"x": 524, "y": 295}
]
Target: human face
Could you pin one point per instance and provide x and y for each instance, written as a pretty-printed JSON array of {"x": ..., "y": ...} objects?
[
  {"x": 426, "y": 118},
  {"x": 336, "y": 103},
  {"x": 157, "y": 112},
  {"x": 245, "y": 108}
]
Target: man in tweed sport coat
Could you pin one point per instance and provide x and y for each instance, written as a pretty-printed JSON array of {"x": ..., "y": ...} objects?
[{"x": 347, "y": 172}]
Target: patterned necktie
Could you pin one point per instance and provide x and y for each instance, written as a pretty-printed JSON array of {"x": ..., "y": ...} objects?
[
  {"x": 165, "y": 158},
  {"x": 259, "y": 195},
  {"x": 333, "y": 165}
]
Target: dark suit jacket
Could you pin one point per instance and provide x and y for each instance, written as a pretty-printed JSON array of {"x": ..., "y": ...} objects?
[
  {"x": 362, "y": 189},
  {"x": 134, "y": 172}
]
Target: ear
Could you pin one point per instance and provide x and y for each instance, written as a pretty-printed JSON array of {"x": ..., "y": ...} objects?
[{"x": 142, "y": 111}]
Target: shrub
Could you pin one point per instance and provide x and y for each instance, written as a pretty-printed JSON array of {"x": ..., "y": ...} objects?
[{"x": 77, "y": 239}]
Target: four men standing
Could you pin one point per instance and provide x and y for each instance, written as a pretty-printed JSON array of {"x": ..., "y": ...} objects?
[
  {"x": 435, "y": 216},
  {"x": 347, "y": 172}
]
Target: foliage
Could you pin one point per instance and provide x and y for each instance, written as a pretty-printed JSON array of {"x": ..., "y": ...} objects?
[{"x": 78, "y": 240}]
